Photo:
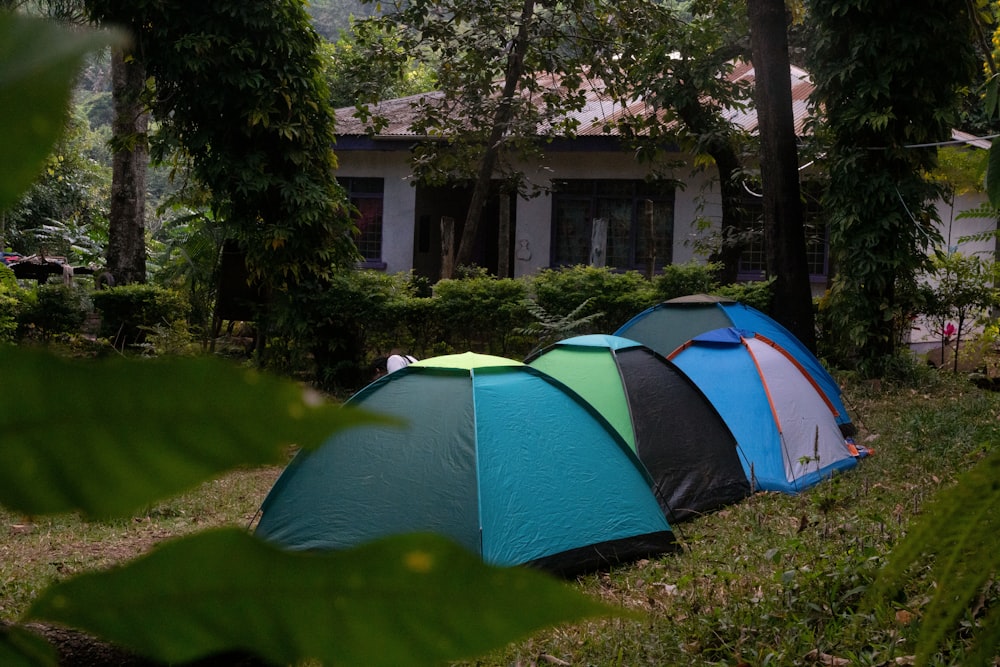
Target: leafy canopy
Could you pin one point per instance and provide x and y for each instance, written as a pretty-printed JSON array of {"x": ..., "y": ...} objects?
[
  {"x": 888, "y": 78},
  {"x": 239, "y": 90}
]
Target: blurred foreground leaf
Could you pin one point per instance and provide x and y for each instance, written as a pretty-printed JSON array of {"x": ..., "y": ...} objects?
[
  {"x": 110, "y": 437},
  {"x": 39, "y": 61},
  {"x": 20, "y": 648},
  {"x": 406, "y": 600},
  {"x": 959, "y": 537}
]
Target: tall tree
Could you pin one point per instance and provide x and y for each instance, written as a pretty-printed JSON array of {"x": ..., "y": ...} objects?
[
  {"x": 677, "y": 59},
  {"x": 888, "y": 76},
  {"x": 239, "y": 91},
  {"x": 126, "y": 247},
  {"x": 126, "y": 252},
  {"x": 784, "y": 234},
  {"x": 489, "y": 56},
  {"x": 355, "y": 78}
]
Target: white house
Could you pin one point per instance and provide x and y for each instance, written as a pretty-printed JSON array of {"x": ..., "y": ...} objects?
[{"x": 589, "y": 182}]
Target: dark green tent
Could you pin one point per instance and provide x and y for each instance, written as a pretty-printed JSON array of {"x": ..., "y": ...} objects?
[{"x": 673, "y": 428}]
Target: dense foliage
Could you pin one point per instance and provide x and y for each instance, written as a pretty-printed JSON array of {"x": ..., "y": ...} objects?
[
  {"x": 65, "y": 211},
  {"x": 888, "y": 77},
  {"x": 134, "y": 432},
  {"x": 239, "y": 91}
]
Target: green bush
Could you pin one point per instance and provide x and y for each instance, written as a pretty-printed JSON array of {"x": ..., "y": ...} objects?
[
  {"x": 332, "y": 332},
  {"x": 9, "y": 303},
  {"x": 335, "y": 326},
  {"x": 52, "y": 309},
  {"x": 618, "y": 296},
  {"x": 755, "y": 294},
  {"x": 482, "y": 314},
  {"x": 129, "y": 311},
  {"x": 684, "y": 279}
]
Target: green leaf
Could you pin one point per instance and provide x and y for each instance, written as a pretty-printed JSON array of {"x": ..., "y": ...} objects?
[
  {"x": 407, "y": 600},
  {"x": 993, "y": 176},
  {"x": 957, "y": 534},
  {"x": 20, "y": 648},
  {"x": 110, "y": 437},
  {"x": 991, "y": 99},
  {"x": 38, "y": 63}
]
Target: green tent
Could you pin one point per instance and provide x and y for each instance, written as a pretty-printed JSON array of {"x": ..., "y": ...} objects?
[{"x": 664, "y": 417}]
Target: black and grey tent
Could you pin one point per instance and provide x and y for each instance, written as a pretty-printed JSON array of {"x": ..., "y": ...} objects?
[{"x": 673, "y": 428}]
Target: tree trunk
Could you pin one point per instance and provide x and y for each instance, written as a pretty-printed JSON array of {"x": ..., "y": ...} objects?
[
  {"x": 703, "y": 121},
  {"x": 126, "y": 231},
  {"x": 503, "y": 238},
  {"x": 447, "y": 247},
  {"x": 731, "y": 228},
  {"x": 784, "y": 233},
  {"x": 501, "y": 119}
]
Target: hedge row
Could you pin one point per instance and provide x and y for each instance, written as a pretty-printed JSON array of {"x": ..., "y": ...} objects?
[
  {"x": 367, "y": 314},
  {"x": 125, "y": 314},
  {"x": 330, "y": 334}
]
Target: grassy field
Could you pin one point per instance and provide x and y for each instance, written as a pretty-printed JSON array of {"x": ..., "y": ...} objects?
[{"x": 775, "y": 580}]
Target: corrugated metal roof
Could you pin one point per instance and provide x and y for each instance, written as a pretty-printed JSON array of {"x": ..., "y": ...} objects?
[{"x": 597, "y": 112}]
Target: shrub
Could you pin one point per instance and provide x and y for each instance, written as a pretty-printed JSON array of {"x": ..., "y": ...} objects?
[
  {"x": 755, "y": 294},
  {"x": 482, "y": 314},
  {"x": 618, "y": 296},
  {"x": 52, "y": 309},
  {"x": 683, "y": 279},
  {"x": 9, "y": 303},
  {"x": 129, "y": 311},
  {"x": 339, "y": 323}
]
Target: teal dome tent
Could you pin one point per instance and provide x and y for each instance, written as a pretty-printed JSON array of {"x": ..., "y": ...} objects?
[{"x": 494, "y": 454}]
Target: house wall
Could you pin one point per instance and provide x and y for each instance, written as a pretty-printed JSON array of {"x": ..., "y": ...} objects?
[
  {"x": 398, "y": 204},
  {"x": 533, "y": 234},
  {"x": 955, "y": 230}
]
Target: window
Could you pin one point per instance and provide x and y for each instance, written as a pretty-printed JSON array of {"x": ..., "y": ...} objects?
[
  {"x": 638, "y": 217},
  {"x": 366, "y": 196},
  {"x": 753, "y": 261}
]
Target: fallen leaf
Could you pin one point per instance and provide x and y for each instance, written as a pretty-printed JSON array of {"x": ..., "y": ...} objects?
[{"x": 827, "y": 659}]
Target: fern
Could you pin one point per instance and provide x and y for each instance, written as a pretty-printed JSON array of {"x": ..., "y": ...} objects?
[
  {"x": 549, "y": 328},
  {"x": 957, "y": 539}
]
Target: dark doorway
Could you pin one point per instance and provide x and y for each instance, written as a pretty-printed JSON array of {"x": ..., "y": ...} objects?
[{"x": 434, "y": 203}]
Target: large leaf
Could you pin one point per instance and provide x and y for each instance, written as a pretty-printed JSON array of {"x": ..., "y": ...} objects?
[
  {"x": 20, "y": 648},
  {"x": 38, "y": 62},
  {"x": 993, "y": 175},
  {"x": 407, "y": 600},
  {"x": 110, "y": 437},
  {"x": 959, "y": 537}
]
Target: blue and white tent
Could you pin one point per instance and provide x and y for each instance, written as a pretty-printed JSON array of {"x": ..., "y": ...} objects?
[
  {"x": 784, "y": 424},
  {"x": 494, "y": 454},
  {"x": 668, "y": 325}
]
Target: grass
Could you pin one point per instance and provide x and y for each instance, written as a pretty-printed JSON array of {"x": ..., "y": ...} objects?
[{"x": 774, "y": 580}]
